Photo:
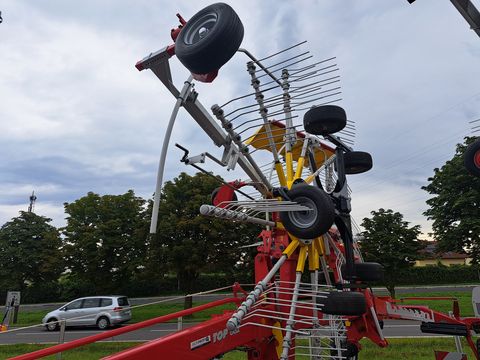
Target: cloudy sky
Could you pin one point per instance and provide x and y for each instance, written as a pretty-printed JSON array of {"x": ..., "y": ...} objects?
[{"x": 76, "y": 116}]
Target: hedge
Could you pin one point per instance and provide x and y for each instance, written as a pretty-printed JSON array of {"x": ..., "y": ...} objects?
[{"x": 69, "y": 287}]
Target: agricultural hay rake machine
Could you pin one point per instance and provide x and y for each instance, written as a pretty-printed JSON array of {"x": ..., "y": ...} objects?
[{"x": 312, "y": 297}]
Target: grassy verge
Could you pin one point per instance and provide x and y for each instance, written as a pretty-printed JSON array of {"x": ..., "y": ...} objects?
[
  {"x": 147, "y": 312},
  {"x": 26, "y": 318},
  {"x": 464, "y": 300},
  {"x": 418, "y": 349}
]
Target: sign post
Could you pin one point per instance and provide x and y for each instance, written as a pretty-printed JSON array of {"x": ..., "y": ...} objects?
[{"x": 12, "y": 304}]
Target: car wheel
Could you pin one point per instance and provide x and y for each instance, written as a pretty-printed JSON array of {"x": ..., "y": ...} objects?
[
  {"x": 103, "y": 323},
  {"x": 312, "y": 223},
  {"x": 209, "y": 39},
  {"x": 52, "y": 324},
  {"x": 324, "y": 120},
  {"x": 472, "y": 158}
]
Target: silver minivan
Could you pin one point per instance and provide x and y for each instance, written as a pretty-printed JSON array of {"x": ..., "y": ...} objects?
[{"x": 100, "y": 311}]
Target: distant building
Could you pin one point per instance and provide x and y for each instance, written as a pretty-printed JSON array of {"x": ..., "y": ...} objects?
[{"x": 430, "y": 256}]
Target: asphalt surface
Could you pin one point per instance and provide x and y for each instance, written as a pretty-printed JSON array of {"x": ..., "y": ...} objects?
[
  {"x": 147, "y": 300},
  {"x": 392, "y": 328},
  {"x": 400, "y": 328}
]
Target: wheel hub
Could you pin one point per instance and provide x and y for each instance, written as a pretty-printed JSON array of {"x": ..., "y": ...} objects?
[{"x": 200, "y": 28}]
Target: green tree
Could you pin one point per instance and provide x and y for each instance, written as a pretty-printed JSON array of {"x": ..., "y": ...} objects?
[
  {"x": 30, "y": 256},
  {"x": 190, "y": 243},
  {"x": 105, "y": 240},
  {"x": 389, "y": 240},
  {"x": 455, "y": 206}
]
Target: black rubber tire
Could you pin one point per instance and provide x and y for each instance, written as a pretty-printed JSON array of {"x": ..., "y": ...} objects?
[
  {"x": 367, "y": 271},
  {"x": 215, "y": 192},
  {"x": 321, "y": 218},
  {"x": 52, "y": 328},
  {"x": 221, "y": 42},
  {"x": 357, "y": 162},
  {"x": 472, "y": 158},
  {"x": 103, "y": 323},
  {"x": 324, "y": 120},
  {"x": 345, "y": 303}
]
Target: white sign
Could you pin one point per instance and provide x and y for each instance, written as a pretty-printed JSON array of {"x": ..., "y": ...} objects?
[{"x": 13, "y": 298}]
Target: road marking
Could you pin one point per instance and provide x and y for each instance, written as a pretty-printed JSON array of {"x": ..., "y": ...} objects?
[{"x": 49, "y": 333}]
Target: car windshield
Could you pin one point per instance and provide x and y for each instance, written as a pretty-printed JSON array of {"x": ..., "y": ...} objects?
[{"x": 123, "y": 301}]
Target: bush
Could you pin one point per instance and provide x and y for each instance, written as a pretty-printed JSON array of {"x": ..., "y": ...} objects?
[{"x": 438, "y": 274}]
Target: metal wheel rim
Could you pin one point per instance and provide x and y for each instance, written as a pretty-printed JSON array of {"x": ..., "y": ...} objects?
[
  {"x": 51, "y": 326},
  {"x": 200, "y": 28},
  {"x": 304, "y": 219},
  {"x": 102, "y": 323}
]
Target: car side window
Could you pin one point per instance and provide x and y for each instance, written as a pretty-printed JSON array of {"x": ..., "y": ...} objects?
[
  {"x": 91, "y": 303},
  {"x": 74, "y": 305},
  {"x": 105, "y": 302}
]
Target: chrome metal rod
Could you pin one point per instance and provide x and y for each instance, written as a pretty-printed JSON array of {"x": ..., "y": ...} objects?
[
  {"x": 210, "y": 210},
  {"x": 234, "y": 322},
  {"x": 161, "y": 165},
  {"x": 287, "y": 340}
]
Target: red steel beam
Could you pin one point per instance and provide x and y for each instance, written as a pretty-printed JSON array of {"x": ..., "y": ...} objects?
[{"x": 107, "y": 334}]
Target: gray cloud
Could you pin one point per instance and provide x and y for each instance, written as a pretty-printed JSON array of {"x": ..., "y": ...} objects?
[{"x": 76, "y": 116}]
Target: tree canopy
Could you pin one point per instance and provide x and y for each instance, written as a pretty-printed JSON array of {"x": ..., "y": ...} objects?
[
  {"x": 105, "y": 239},
  {"x": 190, "y": 243},
  {"x": 389, "y": 240},
  {"x": 30, "y": 254},
  {"x": 454, "y": 207}
]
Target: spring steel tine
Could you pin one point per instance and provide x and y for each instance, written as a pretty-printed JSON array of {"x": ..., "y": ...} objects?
[
  {"x": 299, "y": 75},
  {"x": 316, "y": 84},
  {"x": 287, "y": 65},
  {"x": 322, "y": 82},
  {"x": 277, "y": 132},
  {"x": 256, "y": 125},
  {"x": 282, "y": 51},
  {"x": 313, "y": 93},
  {"x": 251, "y": 94},
  {"x": 269, "y": 67},
  {"x": 247, "y": 95},
  {"x": 317, "y": 98},
  {"x": 317, "y": 63},
  {"x": 347, "y": 133},
  {"x": 312, "y": 85},
  {"x": 321, "y": 104}
]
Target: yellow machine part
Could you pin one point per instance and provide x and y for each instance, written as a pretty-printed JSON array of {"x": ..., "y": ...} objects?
[{"x": 260, "y": 141}]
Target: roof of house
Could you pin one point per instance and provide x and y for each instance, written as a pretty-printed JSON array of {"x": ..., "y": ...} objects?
[{"x": 430, "y": 252}]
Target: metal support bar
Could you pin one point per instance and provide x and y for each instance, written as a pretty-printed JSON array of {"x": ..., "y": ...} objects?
[
  {"x": 161, "y": 165},
  {"x": 469, "y": 13}
]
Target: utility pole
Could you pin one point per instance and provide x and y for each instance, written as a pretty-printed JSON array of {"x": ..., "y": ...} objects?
[{"x": 33, "y": 198}]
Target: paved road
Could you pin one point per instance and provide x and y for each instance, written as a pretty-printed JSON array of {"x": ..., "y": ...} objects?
[
  {"x": 401, "y": 328},
  {"x": 39, "y": 335},
  {"x": 140, "y": 301}
]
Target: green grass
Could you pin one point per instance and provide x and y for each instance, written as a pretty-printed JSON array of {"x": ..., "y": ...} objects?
[
  {"x": 464, "y": 300},
  {"x": 408, "y": 349},
  {"x": 26, "y": 318},
  {"x": 91, "y": 351},
  {"x": 147, "y": 312}
]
